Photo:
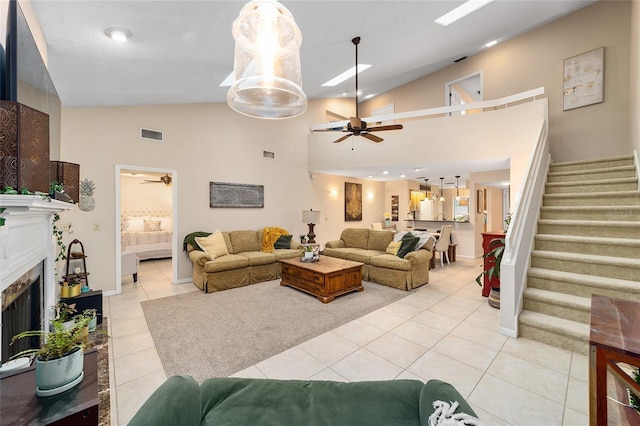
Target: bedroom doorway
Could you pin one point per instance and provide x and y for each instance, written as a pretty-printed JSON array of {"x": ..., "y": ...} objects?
[{"x": 146, "y": 216}]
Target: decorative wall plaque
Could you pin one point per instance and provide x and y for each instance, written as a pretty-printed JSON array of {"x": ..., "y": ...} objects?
[
  {"x": 352, "y": 202},
  {"x": 223, "y": 194}
]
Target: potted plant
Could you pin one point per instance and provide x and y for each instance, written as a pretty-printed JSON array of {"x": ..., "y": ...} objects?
[
  {"x": 494, "y": 259},
  {"x": 64, "y": 314},
  {"x": 92, "y": 315},
  {"x": 60, "y": 359},
  {"x": 387, "y": 219},
  {"x": 74, "y": 281},
  {"x": 634, "y": 401}
]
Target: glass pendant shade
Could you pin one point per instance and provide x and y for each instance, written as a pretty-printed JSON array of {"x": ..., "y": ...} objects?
[
  {"x": 441, "y": 189},
  {"x": 268, "y": 80}
]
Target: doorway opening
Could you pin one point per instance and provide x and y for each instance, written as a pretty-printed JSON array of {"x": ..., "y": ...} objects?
[
  {"x": 146, "y": 215},
  {"x": 465, "y": 90}
]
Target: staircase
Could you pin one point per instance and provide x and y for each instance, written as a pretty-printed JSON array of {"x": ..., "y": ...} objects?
[{"x": 588, "y": 242}]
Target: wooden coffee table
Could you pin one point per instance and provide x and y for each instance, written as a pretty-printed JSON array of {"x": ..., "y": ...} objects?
[{"x": 326, "y": 279}]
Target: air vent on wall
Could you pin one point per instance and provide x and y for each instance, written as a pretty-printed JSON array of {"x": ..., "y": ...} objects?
[
  {"x": 153, "y": 135},
  {"x": 460, "y": 59},
  {"x": 268, "y": 154}
]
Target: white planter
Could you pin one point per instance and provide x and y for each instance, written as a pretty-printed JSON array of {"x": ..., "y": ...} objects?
[
  {"x": 93, "y": 323},
  {"x": 59, "y": 375}
]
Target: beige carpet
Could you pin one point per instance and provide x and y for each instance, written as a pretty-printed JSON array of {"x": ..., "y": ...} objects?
[{"x": 218, "y": 334}]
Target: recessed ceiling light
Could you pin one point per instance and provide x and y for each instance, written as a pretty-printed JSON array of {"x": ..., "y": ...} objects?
[
  {"x": 491, "y": 43},
  {"x": 403, "y": 176},
  {"x": 346, "y": 75},
  {"x": 417, "y": 169},
  {"x": 344, "y": 93},
  {"x": 369, "y": 96},
  {"x": 118, "y": 34},
  {"x": 461, "y": 11},
  {"x": 385, "y": 172},
  {"x": 370, "y": 176}
]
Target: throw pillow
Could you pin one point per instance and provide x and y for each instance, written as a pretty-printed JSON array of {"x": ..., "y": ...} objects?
[
  {"x": 213, "y": 245},
  {"x": 151, "y": 225},
  {"x": 284, "y": 242},
  {"x": 270, "y": 236},
  {"x": 409, "y": 243},
  {"x": 393, "y": 247}
]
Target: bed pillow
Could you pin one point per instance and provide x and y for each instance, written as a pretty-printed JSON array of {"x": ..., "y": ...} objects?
[
  {"x": 151, "y": 225},
  {"x": 213, "y": 245},
  {"x": 166, "y": 224},
  {"x": 284, "y": 242},
  {"x": 136, "y": 224}
]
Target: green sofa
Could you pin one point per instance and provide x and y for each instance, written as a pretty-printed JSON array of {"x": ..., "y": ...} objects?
[{"x": 235, "y": 401}]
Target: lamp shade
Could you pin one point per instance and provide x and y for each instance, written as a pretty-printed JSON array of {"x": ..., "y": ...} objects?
[
  {"x": 310, "y": 216},
  {"x": 268, "y": 79}
]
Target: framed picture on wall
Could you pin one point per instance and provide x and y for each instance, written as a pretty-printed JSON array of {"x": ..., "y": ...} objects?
[
  {"x": 352, "y": 202},
  {"x": 583, "y": 82}
]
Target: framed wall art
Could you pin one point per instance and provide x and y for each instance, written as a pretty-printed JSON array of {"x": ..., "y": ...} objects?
[
  {"x": 583, "y": 82},
  {"x": 480, "y": 200},
  {"x": 223, "y": 194},
  {"x": 352, "y": 202}
]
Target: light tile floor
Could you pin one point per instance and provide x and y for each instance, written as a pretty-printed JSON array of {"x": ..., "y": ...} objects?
[{"x": 445, "y": 330}]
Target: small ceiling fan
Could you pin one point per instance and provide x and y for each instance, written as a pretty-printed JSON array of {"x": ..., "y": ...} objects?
[
  {"x": 166, "y": 179},
  {"x": 357, "y": 127}
]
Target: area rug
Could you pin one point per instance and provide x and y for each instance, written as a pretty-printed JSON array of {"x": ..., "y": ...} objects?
[{"x": 219, "y": 334}]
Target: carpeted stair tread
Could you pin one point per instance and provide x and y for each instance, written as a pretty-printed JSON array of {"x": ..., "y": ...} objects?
[
  {"x": 593, "y": 182},
  {"x": 576, "y": 239},
  {"x": 555, "y": 325},
  {"x": 617, "y": 284},
  {"x": 562, "y": 299},
  {"x": 592, "y": 174},
  {"x": 629, "y": 198},
  {"x": 591, "y": 164},
  {"x": 591, "y": 223},
  {"x": 622, "y": 262}
]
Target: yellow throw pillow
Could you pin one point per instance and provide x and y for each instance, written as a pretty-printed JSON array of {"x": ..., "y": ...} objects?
[
  {"x": 270, "y": 236},
  {"x": 213, "y": 245},
  {"x": 393, "y": 247}
]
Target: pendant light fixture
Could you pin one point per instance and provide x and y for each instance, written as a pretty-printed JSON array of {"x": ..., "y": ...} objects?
[
  {"x": 268, "y": 79},
  {"x": 441, "y": 189},
  {"x": 457, "y": 189}
]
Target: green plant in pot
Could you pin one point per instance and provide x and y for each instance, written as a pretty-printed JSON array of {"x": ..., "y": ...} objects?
[
  {"x": 60, "y": 358},
  {"x": 495, "y": 253},
  {"x": 634, "y": 401},
  {"x": 92, "y": 315}
]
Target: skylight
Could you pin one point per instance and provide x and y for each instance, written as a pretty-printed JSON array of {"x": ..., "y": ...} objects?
[
  {"x": 346, "y": 75},
  {"x": 461, "y": 11}
]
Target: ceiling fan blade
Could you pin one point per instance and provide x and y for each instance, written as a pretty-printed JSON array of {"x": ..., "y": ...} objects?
[
  {"x": 372, "y": 137},
  {"x": 342, "y": 138},
  {"x": 389, "y": 127}
]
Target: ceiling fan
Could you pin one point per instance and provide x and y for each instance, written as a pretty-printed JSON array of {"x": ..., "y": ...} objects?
[
  {"x": 356, "y": 126},
  {"x": 166, "y": 179}
]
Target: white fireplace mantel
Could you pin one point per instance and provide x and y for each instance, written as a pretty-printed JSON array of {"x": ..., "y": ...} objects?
[{"x": 26, "y": 239}]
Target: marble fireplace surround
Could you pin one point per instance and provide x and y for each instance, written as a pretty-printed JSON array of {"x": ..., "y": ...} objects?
[{"x": 26, "y": 239}]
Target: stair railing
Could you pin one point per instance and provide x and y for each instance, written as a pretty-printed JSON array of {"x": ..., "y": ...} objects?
[{"x": 520, "y": 237}]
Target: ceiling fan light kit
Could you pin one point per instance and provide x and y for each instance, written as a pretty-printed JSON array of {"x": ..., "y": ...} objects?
[
  {"x": 268, "y": 78},
  {"x": 356, "y": 126}
]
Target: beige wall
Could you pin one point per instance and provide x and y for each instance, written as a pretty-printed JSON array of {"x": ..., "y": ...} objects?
[
  {"x": 634, "y": 82},
  {"x": 135, "y": 193},
  {"x": 536, "y": 59},
  {"x": 204, "y": 143}
]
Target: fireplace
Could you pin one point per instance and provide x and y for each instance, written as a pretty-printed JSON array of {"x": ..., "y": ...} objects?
[
  {"x": 27, "y": 257},
  {"x": 22, "y": 308}
]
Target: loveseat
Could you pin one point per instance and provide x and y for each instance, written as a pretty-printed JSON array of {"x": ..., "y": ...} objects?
[
  {"x": 234, "y": 401},
  {"x": 370, "y": 247},
  {"x": 242, "y": 263}
]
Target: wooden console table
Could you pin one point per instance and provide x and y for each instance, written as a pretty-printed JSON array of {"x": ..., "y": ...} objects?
[{"x": 614, "y": 339}]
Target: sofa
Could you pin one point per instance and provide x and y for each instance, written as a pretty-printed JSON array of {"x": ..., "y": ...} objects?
[
  {"x": 370, "y": 247},
  {"x": 246, "y": 262},
  {"x": 235, "y": 401}
]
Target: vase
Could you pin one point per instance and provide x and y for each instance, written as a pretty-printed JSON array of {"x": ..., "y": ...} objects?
[
  {"x": 60, "y": 374},
  {"x": 74, "y": 290},
  {"x": 387, "y": 222},
  {"x": 64, "y": 290}
]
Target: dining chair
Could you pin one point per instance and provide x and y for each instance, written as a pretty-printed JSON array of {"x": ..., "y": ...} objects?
[
  {"x": 442, "y": 245},
  {"x": 377, "y": 226}
]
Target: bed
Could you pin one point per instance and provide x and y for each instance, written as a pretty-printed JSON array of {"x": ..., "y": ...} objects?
[{"x": 147, "y": 231}]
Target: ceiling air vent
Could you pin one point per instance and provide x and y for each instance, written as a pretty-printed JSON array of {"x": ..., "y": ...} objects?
[
  {"x": 152, "y": 135},
  {"x": 268, "y": 154}
]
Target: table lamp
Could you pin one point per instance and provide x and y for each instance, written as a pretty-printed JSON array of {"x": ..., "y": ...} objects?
[{"x": 310, "y": 217}]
